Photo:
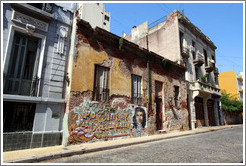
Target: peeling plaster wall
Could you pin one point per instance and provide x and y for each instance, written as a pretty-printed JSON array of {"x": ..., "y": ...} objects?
[{"x": 122, "y": 65}]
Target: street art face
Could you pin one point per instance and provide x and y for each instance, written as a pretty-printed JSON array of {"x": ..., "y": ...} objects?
[
  {"x": 96, "y": 120},
  {"x": 139, "y": 122}
]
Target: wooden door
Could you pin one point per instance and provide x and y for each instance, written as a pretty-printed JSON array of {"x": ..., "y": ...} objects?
[
  {"x": 199, "y": 112},
  {"x": 159, "y": 118}
]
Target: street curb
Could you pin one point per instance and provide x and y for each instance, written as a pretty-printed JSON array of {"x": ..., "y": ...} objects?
[{"x": 82, "y": 151}]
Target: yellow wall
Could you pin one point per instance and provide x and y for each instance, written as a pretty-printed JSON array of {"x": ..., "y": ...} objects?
[
  {"x": 84, "y": 67},
  {"x": 227, "y": 82}
]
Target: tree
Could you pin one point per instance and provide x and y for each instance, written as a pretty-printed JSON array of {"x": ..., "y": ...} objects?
[{"x": 231, "y": 104}]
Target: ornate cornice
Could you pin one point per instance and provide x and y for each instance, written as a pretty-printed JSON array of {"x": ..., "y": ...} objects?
[{"x": 24, "y": 19}]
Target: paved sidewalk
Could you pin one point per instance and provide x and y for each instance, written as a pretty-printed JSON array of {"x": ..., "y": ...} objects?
[{"x": 46, "y": 153}]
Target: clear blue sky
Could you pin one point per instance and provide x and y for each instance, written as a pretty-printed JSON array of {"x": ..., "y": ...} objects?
[{"x": 221, "y": 22}]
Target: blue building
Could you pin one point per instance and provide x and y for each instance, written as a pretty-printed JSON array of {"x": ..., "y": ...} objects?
[{"x": 36, "y": 44}]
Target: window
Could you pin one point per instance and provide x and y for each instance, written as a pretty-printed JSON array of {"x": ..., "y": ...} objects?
[
  {"x": 205, "y": 57},
  {"x": 213, "y": 58},
  {"x": 21, "y": 77},
  {"x": 216, "y": 80},
  {"x": 136, "y": 89},
  {"x": 18, "y": 116},
  {"x": 181, "y": 34},
  {"x": 176, "y": 95},
  {"x": 101, "y": 91},
  {"x": 106, "y": 18},
  {"x": 193, "y": 50},
  {"x": 197, "y": 73}
]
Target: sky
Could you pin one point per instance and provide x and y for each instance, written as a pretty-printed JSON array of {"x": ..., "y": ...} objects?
[{"x": 223, "y": 23}]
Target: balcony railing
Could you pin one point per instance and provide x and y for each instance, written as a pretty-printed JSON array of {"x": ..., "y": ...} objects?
[
  {"x": 185, "y": 52},
  {"x": 205, "y": 88},
  {"x": 199, "y": 60},
  {"x": 20, "y": 86},
  {"x": 43, "y": 6}
]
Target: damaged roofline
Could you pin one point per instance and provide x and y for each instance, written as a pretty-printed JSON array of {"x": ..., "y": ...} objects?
[{"x": 110, "y": 37}]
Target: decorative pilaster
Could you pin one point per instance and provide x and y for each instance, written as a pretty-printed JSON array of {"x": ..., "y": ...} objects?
[
  {"x": 192, "y": 95},
  {"x": 205, "y": 108}
]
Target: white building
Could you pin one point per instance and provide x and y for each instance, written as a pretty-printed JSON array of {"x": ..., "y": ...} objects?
[
  {"x": 95, "y": 14},
  {"x": 174, "y": 37}
]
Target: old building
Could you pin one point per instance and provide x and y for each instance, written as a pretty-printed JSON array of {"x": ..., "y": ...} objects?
[
  {"x": 232, "y": 84},
  {"x": 176, "y": 38},
  {"x": 119, "y": 89},
  {"x": 36, "y": 43},
  {"x": 95, "y": 14}
]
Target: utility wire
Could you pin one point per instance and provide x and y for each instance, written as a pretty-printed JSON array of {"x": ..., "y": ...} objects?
[
  {"x": 158, "y": 4},
  {"x": 167, "y": 7}
]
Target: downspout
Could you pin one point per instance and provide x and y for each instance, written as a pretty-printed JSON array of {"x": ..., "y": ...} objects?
[{"x": 148, "y": 71}]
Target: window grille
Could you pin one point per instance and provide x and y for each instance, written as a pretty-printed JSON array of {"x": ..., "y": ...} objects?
[
  {"x": 136, "y": 89},
  {"x": 101, "y": 91}
]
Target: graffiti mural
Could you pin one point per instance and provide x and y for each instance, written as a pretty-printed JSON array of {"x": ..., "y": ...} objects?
[
  {"x": 139, "y": 122},
  {"x": 96, "y": 120}
]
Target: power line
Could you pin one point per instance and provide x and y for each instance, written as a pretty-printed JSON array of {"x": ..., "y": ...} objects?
[
  {"x": 119, "y": 23},
  {"x": 158, "y": 4},
  {"x": 167, "y": 7}
]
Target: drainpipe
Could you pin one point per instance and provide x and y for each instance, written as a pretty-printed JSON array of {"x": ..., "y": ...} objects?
[{"x": 148, "y": 71}]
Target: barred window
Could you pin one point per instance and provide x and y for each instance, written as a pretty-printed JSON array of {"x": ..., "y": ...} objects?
[
  {"x": 101, "y": 91},
  {"x": 18, "y": 116},
  {"x": 136, "y": 89}
]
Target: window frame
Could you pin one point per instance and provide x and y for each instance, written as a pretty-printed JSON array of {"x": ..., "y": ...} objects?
[
  {"x": 136, "y": 99},
  {"x": 7, "y": 55},
  {"x": 97, "y": 93}
]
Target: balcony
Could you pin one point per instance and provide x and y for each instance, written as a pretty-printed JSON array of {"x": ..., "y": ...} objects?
[
  {"x": 185, "y": 52},
  {"x": 36, "y": 10},
  {"x": 205, "y": 88},
  {"x": 199, "y": 60},
  {"x": 209, "y": 66}
]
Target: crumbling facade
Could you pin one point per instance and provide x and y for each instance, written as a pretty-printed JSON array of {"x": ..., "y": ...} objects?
[
  {"x": 121, "y": 90},
  {"x": 174, "y": 37}
]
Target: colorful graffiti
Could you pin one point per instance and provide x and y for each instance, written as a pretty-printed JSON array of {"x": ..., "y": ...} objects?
[{"x": 96, "y": 120}]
